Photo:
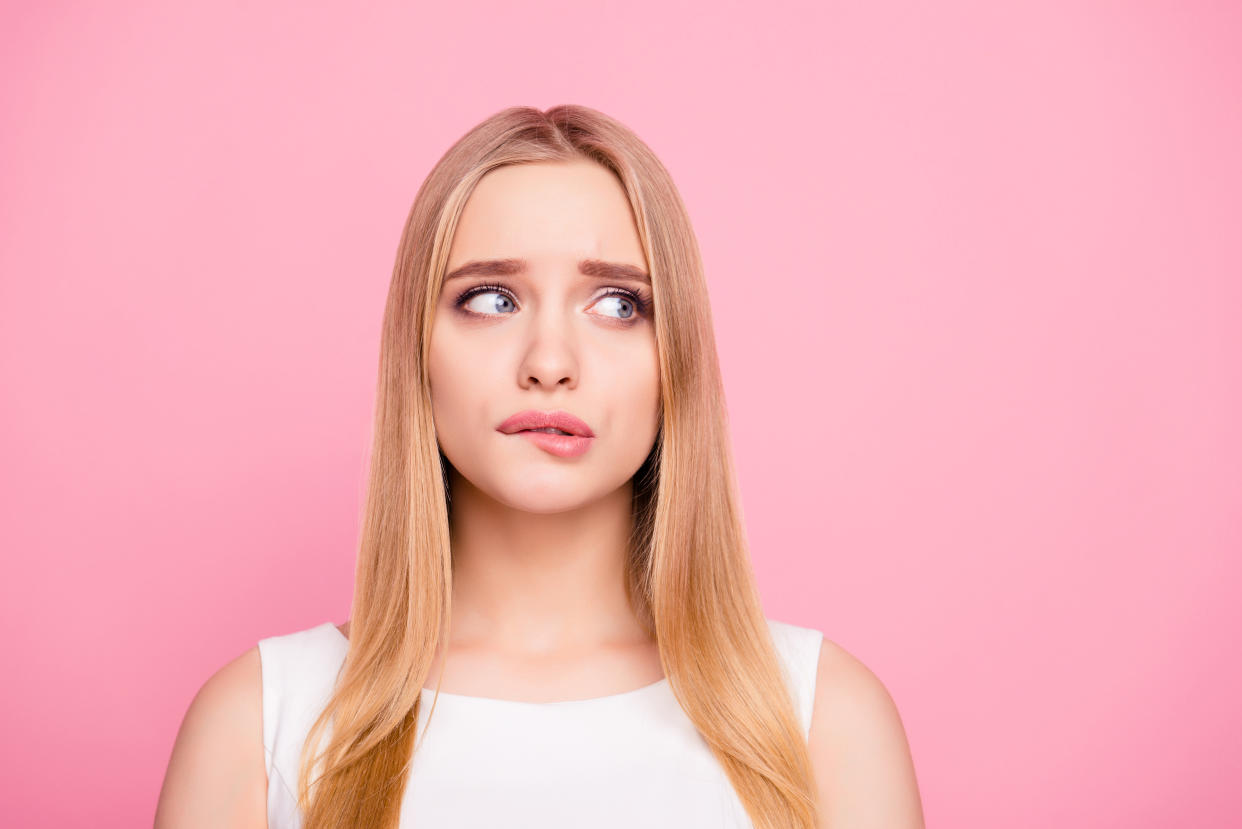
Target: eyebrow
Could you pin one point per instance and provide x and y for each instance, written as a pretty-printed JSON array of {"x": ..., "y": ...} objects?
[{"x": 588, "y": 267}]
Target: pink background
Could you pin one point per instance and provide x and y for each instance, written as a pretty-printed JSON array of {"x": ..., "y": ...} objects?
[{"x": 976, "y": 271}]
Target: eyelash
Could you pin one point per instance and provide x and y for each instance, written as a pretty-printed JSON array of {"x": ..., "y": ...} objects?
[{"x": 641, "y": 303}]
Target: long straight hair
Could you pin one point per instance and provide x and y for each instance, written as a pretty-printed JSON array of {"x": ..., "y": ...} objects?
[{"x": 688, "y": 574}]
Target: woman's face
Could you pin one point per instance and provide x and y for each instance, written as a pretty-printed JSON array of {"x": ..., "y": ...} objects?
[{"x": 541, "y": 320}]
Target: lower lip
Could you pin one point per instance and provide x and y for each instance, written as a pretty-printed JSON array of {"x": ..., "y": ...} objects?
[{"x": 566, "y": 446}]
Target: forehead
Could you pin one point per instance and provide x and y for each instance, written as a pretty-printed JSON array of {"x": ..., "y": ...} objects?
[{"x": 548, "y": 212}]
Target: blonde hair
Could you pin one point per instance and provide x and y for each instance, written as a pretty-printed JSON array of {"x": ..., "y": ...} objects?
[{"x": 689, "y": 577}]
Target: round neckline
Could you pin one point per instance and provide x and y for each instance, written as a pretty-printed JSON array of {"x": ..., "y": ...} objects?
[{"x": 469, "y": 698}]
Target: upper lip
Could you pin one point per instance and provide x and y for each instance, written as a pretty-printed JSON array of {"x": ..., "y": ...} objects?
[{"x": 533, "y": 419}]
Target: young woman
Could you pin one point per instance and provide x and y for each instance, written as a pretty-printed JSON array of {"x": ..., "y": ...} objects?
[{"x": 551, "y": 462}]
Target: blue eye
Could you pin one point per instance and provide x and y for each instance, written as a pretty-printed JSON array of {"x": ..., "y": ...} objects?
[
  {"x": 630, "y": 304},
  {"x": 501, "y": 301},
  {"x": 501, "y": 297}
]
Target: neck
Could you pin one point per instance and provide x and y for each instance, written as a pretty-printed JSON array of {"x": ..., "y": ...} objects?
[{"x": 534, "y": 583}]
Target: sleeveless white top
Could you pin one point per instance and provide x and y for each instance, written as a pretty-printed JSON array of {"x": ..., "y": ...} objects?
[{"x": 623, "y": 760}]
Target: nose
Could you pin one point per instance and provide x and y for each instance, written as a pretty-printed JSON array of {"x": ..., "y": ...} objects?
[{"x": 551, "y": 356}]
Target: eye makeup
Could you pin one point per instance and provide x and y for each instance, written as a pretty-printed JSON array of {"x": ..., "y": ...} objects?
[{"x": 640, "y": 300}]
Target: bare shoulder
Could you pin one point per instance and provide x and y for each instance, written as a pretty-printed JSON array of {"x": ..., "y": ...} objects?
[
  {"x": 217, "y": 775},
  {"x": 863, "y": 769}
]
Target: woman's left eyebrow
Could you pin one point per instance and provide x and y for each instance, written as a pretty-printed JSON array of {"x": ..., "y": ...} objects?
[{"x": 588, "y": 267}]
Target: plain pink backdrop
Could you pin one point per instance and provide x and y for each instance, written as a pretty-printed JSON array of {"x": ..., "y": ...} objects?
[{"x": 976, "y": 274}]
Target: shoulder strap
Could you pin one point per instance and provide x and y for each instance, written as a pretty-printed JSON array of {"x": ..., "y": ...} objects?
[
  {"x": 300, "y": 670},
  {"x": 798, "y": 648}
]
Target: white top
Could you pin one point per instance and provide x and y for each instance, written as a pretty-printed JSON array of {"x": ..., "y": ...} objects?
[{"x": 623, "y": 760}]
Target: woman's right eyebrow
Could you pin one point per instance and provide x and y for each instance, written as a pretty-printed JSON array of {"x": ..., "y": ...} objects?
[{"x": 508, "y": 267}]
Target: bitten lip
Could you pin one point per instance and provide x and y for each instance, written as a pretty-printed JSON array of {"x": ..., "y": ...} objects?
[{"x": 534, "y": 419}]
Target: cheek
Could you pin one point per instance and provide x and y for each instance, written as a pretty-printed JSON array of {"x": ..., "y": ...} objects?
[
  {"x": 637, "y": 382},
  {"x": 448, "y": 376}
]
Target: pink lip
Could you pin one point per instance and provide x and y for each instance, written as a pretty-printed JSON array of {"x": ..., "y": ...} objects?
[
  {"x": 533, "y": 419},
  {"x": 566, "y": 446}
]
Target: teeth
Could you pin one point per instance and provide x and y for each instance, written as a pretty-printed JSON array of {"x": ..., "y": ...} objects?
[{"x": 550, "y": 430}]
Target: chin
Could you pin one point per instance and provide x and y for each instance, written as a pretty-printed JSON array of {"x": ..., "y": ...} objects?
[{"x": 530, "y": 494}]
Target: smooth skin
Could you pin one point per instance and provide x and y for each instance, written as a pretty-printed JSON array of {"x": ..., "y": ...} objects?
[
  {"x": 539, "y": 541},
  {"x": 217, "y": 775}
]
